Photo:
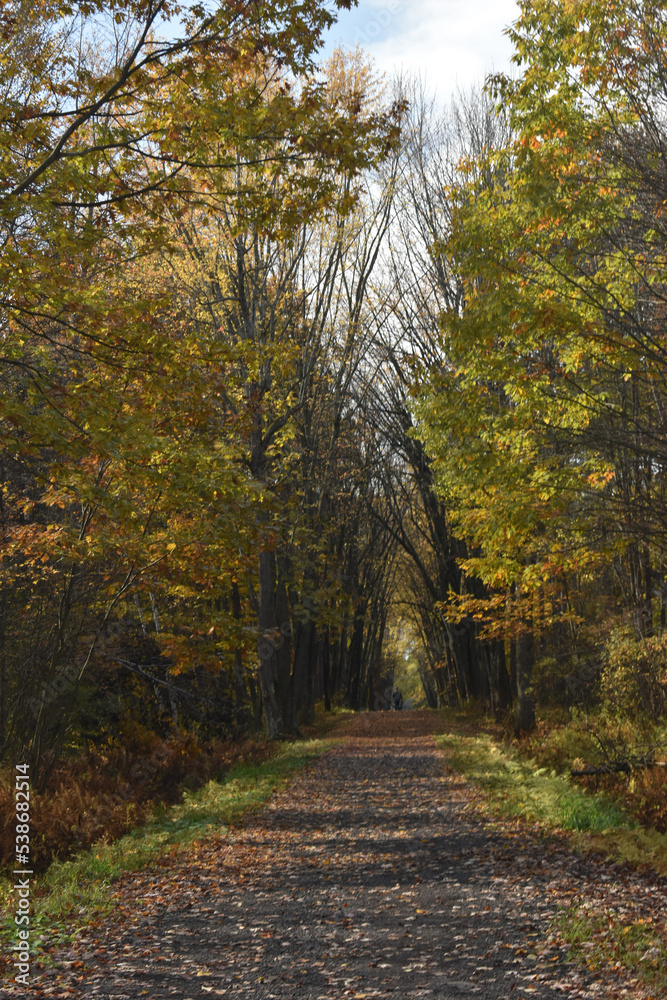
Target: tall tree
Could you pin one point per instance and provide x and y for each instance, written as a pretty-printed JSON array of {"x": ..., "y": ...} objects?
[
  {"x": 125, "y": 419},
  {"x": 557, "y": 357}
]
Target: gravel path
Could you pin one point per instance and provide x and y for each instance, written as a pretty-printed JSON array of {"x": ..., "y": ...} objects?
[{"x": 374, "y": 874}]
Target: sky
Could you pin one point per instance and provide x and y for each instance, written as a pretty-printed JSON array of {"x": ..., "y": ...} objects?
[{"x": 450, "y": 43}]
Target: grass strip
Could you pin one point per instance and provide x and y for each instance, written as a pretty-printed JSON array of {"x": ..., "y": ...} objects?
[
  {"x": 603, "y": 941},
  {"x": 516, "y": 787},
  {"x": 71, "y": 893}
]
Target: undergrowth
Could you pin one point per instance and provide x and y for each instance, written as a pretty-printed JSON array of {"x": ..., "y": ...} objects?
[
  {"x": 517, "y": 786},
  {"x": 520, "y": 788},
  {"x": 595, "y": 738},
  {"x": 71, "y": 892},
  {"x": 109, "y": 789}
]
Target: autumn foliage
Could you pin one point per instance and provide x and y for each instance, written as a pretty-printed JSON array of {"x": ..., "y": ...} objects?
[
  {"x": 170, "y": 364},
  {"x": 305, "y": 384}
]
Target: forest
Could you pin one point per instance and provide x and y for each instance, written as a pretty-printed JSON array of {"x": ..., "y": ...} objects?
[{"x": 312, "y": 385}]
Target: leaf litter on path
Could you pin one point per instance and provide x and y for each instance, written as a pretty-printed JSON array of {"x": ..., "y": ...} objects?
[{"x": 375, "y": 873}]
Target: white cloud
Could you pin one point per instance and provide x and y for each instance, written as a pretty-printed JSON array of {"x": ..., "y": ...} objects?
[{"x": 450, "y": 43}]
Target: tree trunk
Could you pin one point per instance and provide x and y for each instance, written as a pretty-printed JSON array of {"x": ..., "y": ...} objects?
[
  {"x": 284, "y": 652},
  {"x": 525, "y": 660},
  {"x": 240, "y": 692},
  {"x": 301, "y": 674},
  {"x": 268, "y": 675},
  {"x": 326, "y": 670},
  {"x": 503, "y": 688},
  {"x": 355, "y": 659},
  {"x": 513, "y": 684}
]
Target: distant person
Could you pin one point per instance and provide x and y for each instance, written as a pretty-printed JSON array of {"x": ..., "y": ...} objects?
[
  {"x": 387, "y": 699},
  {"x": 397, "y": 699}
]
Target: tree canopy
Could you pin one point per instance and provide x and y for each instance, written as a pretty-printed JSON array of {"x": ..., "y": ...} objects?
[{"x": 305, "y": 379}]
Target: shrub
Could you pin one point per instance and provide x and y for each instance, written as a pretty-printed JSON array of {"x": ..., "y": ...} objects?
[
  {"x": 634, "y": 677},
  {"x": 557, "y": 746},
  {"x": 646, "y": 797},
  {"x": 107, "y": 791}
]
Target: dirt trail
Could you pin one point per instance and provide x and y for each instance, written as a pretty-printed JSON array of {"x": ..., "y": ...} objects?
[{"x": 374, "y": 874}]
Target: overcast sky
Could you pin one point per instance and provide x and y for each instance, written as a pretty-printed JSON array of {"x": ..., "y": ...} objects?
[{"x": 451, "y": 43}]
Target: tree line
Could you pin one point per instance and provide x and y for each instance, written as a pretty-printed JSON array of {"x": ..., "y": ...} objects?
[{"x": 292, "y": 358}]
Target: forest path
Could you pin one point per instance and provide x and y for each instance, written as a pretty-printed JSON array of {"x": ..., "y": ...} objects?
[{"x": 375, "y": 873}]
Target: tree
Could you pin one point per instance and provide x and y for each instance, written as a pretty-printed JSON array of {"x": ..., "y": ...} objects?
[
  {"x": 125, "y": 422},
  {"x": 556, "y": 356},
  {"x": 420, "y": 284}
]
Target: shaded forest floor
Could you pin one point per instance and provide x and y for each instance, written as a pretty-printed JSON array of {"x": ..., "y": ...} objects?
[{"x": 377, "y": 872}]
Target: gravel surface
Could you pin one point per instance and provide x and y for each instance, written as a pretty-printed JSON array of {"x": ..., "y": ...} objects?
[{"x": 374, "y": 874}]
